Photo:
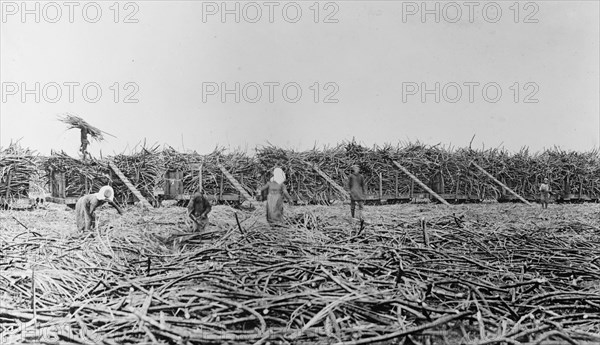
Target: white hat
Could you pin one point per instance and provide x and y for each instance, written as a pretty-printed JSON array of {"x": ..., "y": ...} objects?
[
  {"x": 278, "y": 176},
  {"x": 105, "y": 192}
]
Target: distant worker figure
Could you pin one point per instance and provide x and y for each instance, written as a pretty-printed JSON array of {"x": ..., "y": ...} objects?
[
  {"x": 276, "y": 192},
  {"x": 76, "y": 122},
  {"x": 198, "y": 209},
  {"x": 84, "y": 142},
  {"x": 86, "y": 205},
  {"x": 545, "y": 193},
  {"x": 356, "y": 185}
]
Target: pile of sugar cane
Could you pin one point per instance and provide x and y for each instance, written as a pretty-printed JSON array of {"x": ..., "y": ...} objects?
[
  {"x": 18, "y": 167},
  {"x": 81, "y": 177},
  {"x": 242, "y": 166},
  {"x": 143, "y": 168},
  {"x": 522, "y": 171},
  {"x": 447, "y": 170},
  {"x": 478, "y": 274}
]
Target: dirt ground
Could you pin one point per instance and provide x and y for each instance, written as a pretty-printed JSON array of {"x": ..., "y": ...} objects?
[{"x": 478, "y": 274}]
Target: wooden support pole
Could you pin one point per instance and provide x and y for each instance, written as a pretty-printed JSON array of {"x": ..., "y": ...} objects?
[
  {"x": 180, "y": 182},
  {"x": 242, "y": 181},
  {"x": 221, "y": 187},
  {"x": 501, "y": 184},
  {"x": 424, "y": 186},
  {"x": 200, "y": 187},
  {"x": 457, "y": 186},
  {"x": 396, "y": 185},
  {"x": 62, "y": 185},
  {"x": 380, "y": 186},
  {"x": 52, "y": 192},
  {"x": 8, "y": 184}
]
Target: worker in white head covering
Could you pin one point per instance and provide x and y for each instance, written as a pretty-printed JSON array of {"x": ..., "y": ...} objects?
[
  {"x": 276, "y": 191},
  {"x": 86, "y": 205},
  {"x": 106, "y": 193},
  {"x": 278, "y": 176}
]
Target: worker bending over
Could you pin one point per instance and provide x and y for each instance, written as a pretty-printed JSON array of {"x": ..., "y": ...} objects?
[
  {"x": 198, "y": 209},
  {"x": 87, "y": 205}
]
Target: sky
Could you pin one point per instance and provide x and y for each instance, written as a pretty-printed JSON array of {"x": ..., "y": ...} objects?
[{"x": 199, "y": 74}]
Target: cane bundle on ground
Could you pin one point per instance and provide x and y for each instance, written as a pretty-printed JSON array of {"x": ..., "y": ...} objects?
[{"x": 18, "y": 168}]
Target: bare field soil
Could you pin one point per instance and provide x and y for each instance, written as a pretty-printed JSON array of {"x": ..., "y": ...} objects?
[{"x": 478, "y": 274}]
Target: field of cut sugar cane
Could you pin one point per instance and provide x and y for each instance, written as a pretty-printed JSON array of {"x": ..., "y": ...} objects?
[{"x": 416, "y": 274}]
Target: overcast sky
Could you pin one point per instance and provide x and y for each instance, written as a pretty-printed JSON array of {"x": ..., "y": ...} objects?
[{"x": 363, "y": 71}]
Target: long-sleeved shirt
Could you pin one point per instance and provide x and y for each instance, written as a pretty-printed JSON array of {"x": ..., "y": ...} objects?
[{"x": 356, "y": 184}]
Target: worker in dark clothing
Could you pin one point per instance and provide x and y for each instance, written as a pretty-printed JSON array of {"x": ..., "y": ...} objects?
[
  {"x": 356, "y": 185},
  {"x": 84, "y": 142},
  {"x": 198, "y": 209}
]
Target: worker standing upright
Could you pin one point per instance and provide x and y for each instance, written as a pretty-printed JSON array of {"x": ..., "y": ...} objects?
[
  {"x": 356, "y": 185},
  {"x": 545, "y": 193},
  {"x": 276, "y": 192},
  {"x": 84, "y": 142}
]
